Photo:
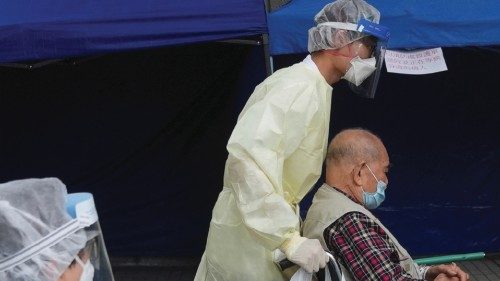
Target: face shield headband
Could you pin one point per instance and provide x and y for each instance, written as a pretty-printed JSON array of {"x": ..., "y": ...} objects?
[{"x": 368, "y": 87}]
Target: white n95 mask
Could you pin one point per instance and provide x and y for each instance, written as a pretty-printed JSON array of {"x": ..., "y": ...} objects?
[
  {"x": 88, "y": 270},
  {"x": 360, "y": 70}
]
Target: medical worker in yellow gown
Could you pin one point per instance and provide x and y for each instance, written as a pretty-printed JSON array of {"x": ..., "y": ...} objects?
[{"x": 276, "y": 152}]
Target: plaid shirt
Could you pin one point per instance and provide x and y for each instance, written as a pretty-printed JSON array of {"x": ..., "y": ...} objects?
[{"x": 364, "y": 248}]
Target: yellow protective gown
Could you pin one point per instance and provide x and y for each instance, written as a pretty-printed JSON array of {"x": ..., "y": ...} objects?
[{"x": 275, "y": 156}]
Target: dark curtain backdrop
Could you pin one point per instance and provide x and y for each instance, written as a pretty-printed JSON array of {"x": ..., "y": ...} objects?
[
  {"x": 145, "y": 132},
  {"x": 442, "y": 132}
]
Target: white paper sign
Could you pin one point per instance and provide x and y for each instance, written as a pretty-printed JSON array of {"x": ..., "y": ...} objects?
[{"x": 415, "y": 62}]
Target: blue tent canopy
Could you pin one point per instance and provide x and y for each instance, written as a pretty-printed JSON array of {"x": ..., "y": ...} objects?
[
  {"x": 46, "y": 29},
  {"x": 413, "y": 23}
]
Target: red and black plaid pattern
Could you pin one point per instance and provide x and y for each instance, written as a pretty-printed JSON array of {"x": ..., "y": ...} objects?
[{"x": 364, "y": 248}]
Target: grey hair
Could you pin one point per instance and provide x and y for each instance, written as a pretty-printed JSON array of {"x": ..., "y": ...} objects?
[{"x": 365, "y": 146}]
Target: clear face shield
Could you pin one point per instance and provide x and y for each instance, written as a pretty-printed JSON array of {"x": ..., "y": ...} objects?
[
  {"x": 92, "y": 258},
  {"x": 369, "y": 85},
  {"x": 364, "y": 73}
]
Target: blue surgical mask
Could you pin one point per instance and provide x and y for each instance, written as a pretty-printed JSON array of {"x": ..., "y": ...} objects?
[{"x": 373, "y": 200}]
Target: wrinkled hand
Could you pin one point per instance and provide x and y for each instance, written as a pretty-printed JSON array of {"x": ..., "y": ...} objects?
[
  {"x": 450, "y": 271},
  {"x": 309, "y": 255}
]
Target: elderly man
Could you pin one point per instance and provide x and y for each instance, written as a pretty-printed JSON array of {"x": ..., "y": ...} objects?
[
  {"x": 277, "y": 148},
  {"x": 357, "y": 164}
]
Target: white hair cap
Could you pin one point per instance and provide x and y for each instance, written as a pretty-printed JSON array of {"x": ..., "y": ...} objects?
[
  {"x": 334, "y": 23},
  {"x": 38, "y": 238}
]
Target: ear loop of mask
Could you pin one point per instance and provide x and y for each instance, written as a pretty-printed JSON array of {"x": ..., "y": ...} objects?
[
  {"x": 78, "y": 260},
  {"x": 372, "y": 172},
  {"x": 336, "y": 53},
  {"x": 362, "y": 189},
  {"x": 88, "y": 269}
]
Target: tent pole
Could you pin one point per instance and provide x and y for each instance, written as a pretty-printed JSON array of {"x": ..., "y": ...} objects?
[
  {"x": 267, "y": 54},
  {"x": 267, "y": 6},
  {"x": 265, "y": 43},
  {"x": 268, "y": 59}
]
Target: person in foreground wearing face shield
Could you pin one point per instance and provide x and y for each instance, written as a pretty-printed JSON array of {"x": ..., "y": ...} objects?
[
  {"x": 357, "y": 164},
  {"x": 276, "y": 151},
  {"x": 348, "y": 43},
  {"x": 80, "y": 268},
  {"x": 49, "y": 235}
]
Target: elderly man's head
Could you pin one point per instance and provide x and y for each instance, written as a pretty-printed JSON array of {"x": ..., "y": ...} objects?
[{"x": 356, "y": 159}]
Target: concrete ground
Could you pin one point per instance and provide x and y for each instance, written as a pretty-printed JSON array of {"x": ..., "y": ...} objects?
[
  {"x": 153, "y": 274},
  {"x": 163, "y": 269},
  {"x": 154, "y": 269},
  {"x": 483, "y": 270}
]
